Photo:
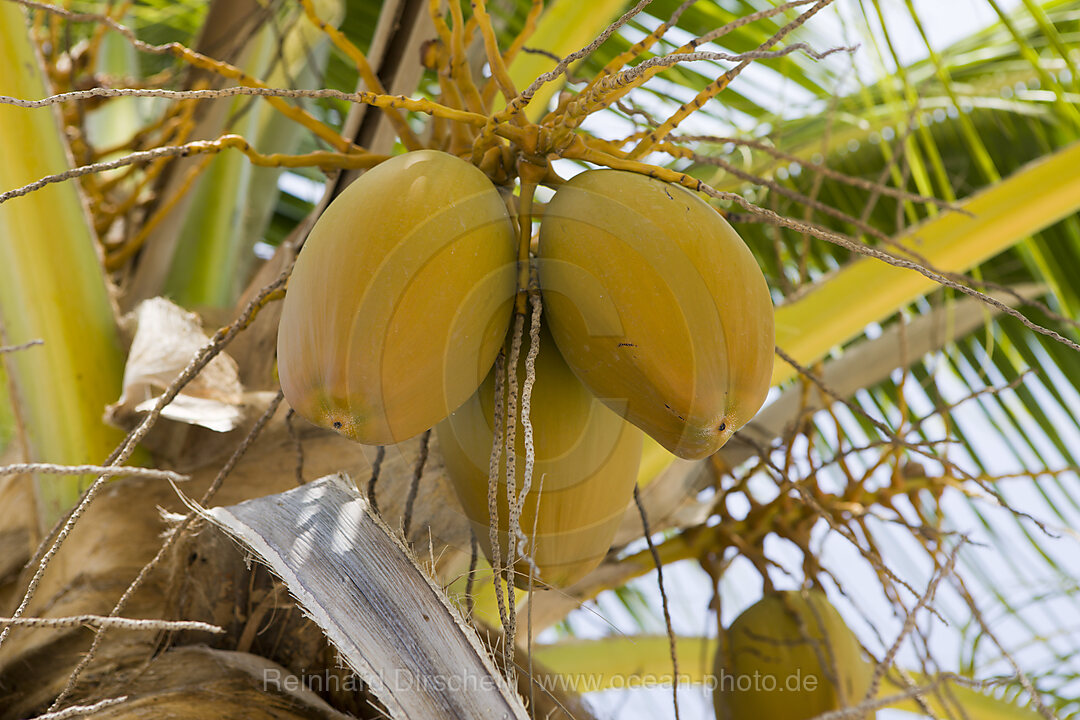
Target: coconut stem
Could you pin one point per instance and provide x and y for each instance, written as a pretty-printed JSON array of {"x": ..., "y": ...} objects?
[
  {"x": 527, "y": 432},
  {"x": 530, "y": 175},
  {"x": 493, "y": 490},
  {"x": 510, "y": 441}
]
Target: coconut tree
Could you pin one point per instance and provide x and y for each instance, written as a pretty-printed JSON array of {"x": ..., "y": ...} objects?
[{"x": 911, "y": 203}]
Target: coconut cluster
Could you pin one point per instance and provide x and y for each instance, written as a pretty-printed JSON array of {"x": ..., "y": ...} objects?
[{"x": 656, "y": 318}]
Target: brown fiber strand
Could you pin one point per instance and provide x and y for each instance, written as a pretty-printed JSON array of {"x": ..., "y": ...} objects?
[
  {"x": 297, "y": 444},
  {"x": 376, "y": 468},
  {"x": 663, "y": 599},
  {"x": 414, "y": 486}
]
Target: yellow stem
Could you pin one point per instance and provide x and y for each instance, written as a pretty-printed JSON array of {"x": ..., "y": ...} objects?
[
  {"x": 459, "y": 65},
  {"x": 371, "y": 80},
  {"x": 491, "y": 46}
]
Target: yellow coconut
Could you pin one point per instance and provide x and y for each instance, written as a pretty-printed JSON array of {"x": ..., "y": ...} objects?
[
  {"x": 586, "y": 465},
  {"x": 400, "y": 299},
  {"x": 790, "y": 657},
  {"x": 658, "y": 306}
]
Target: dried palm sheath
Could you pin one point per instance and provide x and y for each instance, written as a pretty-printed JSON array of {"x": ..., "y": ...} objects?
[{"x": 392, "y": 625}]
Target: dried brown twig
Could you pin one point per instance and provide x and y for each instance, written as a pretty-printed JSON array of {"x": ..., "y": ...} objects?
[
  {"x": 663, "y": 600},
  {"x": 116, "y": 623},
  {"x": 101, "y": 470},
  {"x": 22, "y": 346}
]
